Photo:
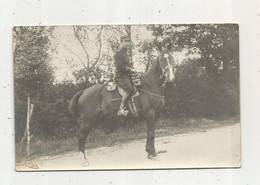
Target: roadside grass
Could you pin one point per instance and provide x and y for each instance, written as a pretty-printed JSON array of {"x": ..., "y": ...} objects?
[{"x": 99, "y": 138}]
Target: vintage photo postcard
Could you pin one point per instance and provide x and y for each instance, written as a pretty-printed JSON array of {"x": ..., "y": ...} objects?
[{"x": 105, "y": 97}]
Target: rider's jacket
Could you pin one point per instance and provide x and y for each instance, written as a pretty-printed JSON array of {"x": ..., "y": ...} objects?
[{"x": 122, "y": 61}]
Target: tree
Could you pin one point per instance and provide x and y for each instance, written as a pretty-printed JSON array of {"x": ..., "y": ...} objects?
[
  {"x": 208, "y": 80},
  {"x": 104, "y": 40},
  {"x": 82, "y": 35},
  {"x": 32, "y": 71}
]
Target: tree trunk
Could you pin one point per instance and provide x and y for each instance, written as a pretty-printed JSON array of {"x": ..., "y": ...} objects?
[{"x": 128, "y": 31}]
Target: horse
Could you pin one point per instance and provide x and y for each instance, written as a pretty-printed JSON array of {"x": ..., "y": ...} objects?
[{"x": 96, "y": 100}]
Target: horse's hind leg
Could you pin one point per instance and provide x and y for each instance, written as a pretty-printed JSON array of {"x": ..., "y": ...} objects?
[{"x": 82, "y": 135}]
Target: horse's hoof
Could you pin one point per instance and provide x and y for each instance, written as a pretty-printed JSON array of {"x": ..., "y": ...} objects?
[{"x": 151, "y": 156}]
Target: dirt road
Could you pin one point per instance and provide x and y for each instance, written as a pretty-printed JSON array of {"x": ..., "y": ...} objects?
[{"x": 219, "y": 147}]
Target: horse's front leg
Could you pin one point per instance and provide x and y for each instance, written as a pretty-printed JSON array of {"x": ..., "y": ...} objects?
[{"x": 150, "y": 121}]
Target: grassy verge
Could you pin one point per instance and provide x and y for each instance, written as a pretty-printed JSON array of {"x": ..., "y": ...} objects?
[{"x": 98, "y": 138}]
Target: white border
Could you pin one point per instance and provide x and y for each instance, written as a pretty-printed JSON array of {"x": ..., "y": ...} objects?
[{"x": 60, "y": 12}]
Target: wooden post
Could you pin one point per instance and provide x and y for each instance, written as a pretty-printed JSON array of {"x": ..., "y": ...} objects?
[
  {"x": 28, "y": 125},
  {"x": 27, "y": 128},
  {"x": 22, "y": 141}
]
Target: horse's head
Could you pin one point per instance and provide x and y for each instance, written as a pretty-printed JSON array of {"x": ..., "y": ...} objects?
[{"x": 166, "y": 63}]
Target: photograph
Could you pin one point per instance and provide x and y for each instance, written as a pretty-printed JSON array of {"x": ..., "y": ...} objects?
[{"x": 121, "y": 97}]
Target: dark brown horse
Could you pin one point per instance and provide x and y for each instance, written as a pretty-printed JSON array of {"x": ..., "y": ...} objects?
[{"x": 96, "y": 100}]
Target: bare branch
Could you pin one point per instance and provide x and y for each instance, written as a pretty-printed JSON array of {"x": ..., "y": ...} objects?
[
  {"x": 117, "y": 30},
  {"x": 82, "y": 62},
  {"x": 82, "y": 45},
  {"x": 100, "y": 47}
]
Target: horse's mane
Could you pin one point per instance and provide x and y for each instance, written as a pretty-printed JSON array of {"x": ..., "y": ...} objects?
[{"x": 153, "y": 66}]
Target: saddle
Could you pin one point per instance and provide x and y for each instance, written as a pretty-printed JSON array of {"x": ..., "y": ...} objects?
[
  {"x": 111, "y": 86},
  {"x": 136, "y": 80}
]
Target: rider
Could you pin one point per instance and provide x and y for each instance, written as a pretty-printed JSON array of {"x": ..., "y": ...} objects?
[{"x": 123, "y": 72}]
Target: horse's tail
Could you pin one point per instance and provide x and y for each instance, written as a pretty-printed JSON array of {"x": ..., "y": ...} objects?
[{"x": 73, "y": 104}]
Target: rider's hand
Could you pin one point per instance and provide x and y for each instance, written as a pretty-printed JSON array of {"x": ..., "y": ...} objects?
[{"x": 132, "y": 70}]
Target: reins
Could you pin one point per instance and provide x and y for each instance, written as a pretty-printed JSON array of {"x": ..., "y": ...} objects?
[
  {"x": 148, "y": 92},
  {"x": 153, "y": 94},
  {"x": 163, "y": 75},
  {"x": 156, "y": 95}
]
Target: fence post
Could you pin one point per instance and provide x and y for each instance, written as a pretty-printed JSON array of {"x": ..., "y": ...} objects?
[
  {"x": 28, "y": 125},
  {"x": 29, "y": 115},
  {"x": 27, "y": 128}
]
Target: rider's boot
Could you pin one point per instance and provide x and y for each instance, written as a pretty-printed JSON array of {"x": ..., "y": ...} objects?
[{"x": 122, "y": 111}]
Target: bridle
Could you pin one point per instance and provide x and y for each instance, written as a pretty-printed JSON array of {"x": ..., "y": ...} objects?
[{"x": 166, "y": 73}]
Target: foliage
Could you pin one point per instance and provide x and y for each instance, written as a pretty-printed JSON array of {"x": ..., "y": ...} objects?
[
  {"x": 207, "y": 82},
  {"x": 32, "y": 70}
]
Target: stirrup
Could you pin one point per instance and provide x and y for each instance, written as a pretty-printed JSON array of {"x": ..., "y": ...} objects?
[{"x": 122, "y": 112}]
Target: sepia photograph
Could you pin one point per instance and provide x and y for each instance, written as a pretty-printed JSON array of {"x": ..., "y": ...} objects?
[{"x": 116, "y": 97}]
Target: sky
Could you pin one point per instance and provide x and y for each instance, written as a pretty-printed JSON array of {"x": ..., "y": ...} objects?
[{"x": 69, "y": 53}]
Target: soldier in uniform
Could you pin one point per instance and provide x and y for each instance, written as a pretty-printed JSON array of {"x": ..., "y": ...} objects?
[{"x": 123, "y": 72}]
